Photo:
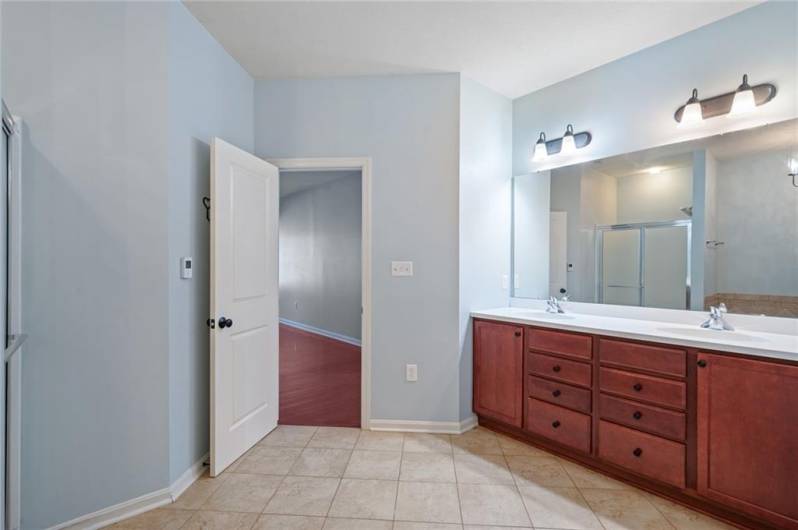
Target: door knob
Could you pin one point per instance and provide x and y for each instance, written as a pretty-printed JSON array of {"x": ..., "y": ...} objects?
[{"x": 225, "y": 323}]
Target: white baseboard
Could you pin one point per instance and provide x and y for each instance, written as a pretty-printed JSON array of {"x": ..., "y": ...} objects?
[
  {"x": 150, "y": 501},
  {"x": 188, "y": 478},
  {"x": 436, "y": 427},
  {"x": 323, "y": 332},
  {"x": 118, "y": 512}
]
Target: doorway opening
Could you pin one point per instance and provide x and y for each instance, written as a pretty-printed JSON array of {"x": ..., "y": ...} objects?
[{"x": 324, "y": 292}]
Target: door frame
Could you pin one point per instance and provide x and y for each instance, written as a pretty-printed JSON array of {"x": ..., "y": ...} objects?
[
  {"x": 11, "y": 512},
  {"x": 364, "y": 165}
]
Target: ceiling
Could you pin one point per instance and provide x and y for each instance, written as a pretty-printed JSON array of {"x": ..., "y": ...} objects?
[
  {"x": 295, "y": 181},
  {"x": 512, "y": 47}
]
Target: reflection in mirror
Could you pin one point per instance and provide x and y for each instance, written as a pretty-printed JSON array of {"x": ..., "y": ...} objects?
[{"x": 682, "y": 226}]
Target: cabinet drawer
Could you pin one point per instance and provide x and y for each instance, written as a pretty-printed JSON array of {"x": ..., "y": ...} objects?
[
  {"x": 644, "y": 387},
  {"x": 559, "y": 424},
  {"x": 560, "y": 342},
  {"x": 642, "y": 453},
  {"x": 559, "y": 393},
  {"x": 667, "y": 361},
  {"x": 644, "y": 417},
  {"x": 560, "y": 369}
]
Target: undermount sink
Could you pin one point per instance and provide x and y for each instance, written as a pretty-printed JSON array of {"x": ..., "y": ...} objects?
[
  {"x": 543, "y": 314},
  {"x": 702, "y": 333}
]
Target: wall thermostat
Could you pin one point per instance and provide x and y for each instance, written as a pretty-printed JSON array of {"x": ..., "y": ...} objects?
[{"x": 186, "y": 270}]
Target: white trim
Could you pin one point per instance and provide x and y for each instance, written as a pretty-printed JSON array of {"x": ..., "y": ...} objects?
[
  {"x": 14, "y": 367},
  {"x": 437, "y": 427},
  {"x": 118, "y": 512},
  {"x": 323, "y": 332},
  {"x": 364, "y": 165},
  {"x": 150, "y": 501},
  {"x": 189, "y": 477}
]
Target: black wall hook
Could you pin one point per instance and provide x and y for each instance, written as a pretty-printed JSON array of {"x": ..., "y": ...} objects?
[{"x": 206, "y": 202}]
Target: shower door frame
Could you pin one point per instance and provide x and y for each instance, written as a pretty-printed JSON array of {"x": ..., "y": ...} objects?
[{"x": 641, "y": 228}]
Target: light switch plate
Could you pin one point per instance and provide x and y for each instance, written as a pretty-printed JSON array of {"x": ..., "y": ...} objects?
[
  {"x": 411, "y": 373},
  {"x": 401, "y": 268},
  {"x": 505, "y": 282}
]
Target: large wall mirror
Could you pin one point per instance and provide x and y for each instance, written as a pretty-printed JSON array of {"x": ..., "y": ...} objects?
[{"x": 682, "y": 226}]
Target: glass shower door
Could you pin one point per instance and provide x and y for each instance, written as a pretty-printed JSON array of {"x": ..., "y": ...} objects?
[{"x": 620, "y": 259}]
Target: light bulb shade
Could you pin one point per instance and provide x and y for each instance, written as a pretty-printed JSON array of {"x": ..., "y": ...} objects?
[
  {"x": 691, "y": 114},
  {"x": 792, "y": 166},
  {"x": 568, "y": 142},
  {"x": 540, "y": 151},
  {"x": 743, "y": 102},
  {"x": 743, "y": 99}
]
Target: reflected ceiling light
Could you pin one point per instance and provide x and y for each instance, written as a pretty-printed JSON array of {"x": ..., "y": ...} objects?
[
  {"x": 745, "y": 99},
  {"x": 568, "y": 144},
  {"x": 540, "y": 149},
  {"x": 692, "y": 113},
  {"x": 655, "y": 170}
]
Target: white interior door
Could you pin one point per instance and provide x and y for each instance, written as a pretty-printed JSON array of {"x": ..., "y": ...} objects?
[
  {"x": 244, "y": 302},
  {"x": 558, "y": 254}
]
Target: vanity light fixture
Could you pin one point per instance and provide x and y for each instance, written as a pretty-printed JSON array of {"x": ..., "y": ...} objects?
[
  {"x": 792, "y": 165},
  {"x": 745, "y": 99},
  {"x": 567, "y": 144}
]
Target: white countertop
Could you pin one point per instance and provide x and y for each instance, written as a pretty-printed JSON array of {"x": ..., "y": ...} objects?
[{"x": 757, "y": 343}]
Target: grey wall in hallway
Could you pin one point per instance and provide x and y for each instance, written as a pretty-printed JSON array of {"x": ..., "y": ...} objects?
[
  {"x": 320, "y": 254},
  {"x": 409, "y": 126},
  {"x": 89, "y": 79}
]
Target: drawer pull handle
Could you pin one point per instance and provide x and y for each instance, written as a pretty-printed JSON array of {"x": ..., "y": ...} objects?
[
  {"x": 637, "y": 452},
  {"x": 517, "y": 333},
  {"x": 556, "y": 368},
  {"x": 702, "y": 363},
  {"x": 637, "y": 415},
  {"x": 555, "y": 424},
  {"x": 638, "y": 387},
  {"x": 556, "y": 393}
]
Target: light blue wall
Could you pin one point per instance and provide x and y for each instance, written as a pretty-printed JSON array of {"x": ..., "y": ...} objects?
[
  {"x": 629, "y": 104},
  {"x": 210, "y": 94},
  {"x": 485, "y": 191},
  {"x": 89, "y": 79},
  {"x": 120, "y": 101},
  {"x": 408, "y": 125}
]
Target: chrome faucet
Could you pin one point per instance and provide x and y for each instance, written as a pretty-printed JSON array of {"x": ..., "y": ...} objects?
[
  {"x": 553, "y": 305},
  {"x": 716, "y": 319}
]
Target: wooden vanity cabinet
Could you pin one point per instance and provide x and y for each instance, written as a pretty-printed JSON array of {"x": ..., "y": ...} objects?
[
  {"x": 748, "y": 435},
  {"x": 499, "y": 372},
  {"x": 715, "y": 431}
]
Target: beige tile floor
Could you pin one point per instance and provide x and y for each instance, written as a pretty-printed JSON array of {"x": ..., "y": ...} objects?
[{"x": 305, "y": 478}]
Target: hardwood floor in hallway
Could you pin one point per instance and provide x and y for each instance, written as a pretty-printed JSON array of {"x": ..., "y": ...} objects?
[{"x": 319, "y": 380}]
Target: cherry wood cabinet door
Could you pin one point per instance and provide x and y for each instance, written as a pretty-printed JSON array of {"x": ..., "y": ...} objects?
[
  {"x": 748, "y": 436},
  {"x": 499, "y": 371}
]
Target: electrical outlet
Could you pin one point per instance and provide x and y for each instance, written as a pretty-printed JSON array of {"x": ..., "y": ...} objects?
[
  {"x": 401, "y": 268},
  {"x": 505, "y": 282},
  {"x": 411, "y": 372}
]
